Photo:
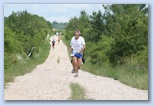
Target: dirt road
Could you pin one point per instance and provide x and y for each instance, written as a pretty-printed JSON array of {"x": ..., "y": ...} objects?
[{"x": 51, "y": 81}]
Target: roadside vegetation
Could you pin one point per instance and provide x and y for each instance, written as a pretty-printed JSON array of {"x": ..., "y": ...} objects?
[
  {"x": 116, "y": 42},
  {"x": 78, "y": 92},
  {"x": 25, "y": 43}
]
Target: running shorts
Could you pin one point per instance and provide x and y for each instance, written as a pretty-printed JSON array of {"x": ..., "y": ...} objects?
[{"x": 78, "y": 55}]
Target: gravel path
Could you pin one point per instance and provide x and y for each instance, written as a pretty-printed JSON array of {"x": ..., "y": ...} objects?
[{"x": 51, "y": 81}]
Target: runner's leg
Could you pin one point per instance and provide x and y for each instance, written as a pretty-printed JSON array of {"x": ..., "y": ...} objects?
[
  {"x": 75, "y": 64},
  {"x": 79, "y": 60},
  {"x": 72, "y": 65},
  {"x": 53, "y": 46}
]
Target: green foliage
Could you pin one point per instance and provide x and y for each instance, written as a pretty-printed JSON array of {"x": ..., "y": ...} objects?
[
  {"x": 11, "y": 43},
  {"x": 82, "y": 23},
  {"x": 126, "y": 25},
  {"x": 99, "y": 54},
  {"x": 129, "y": 31},
  {"x": 22, "y": 32},
  {"x": 30, "y": 30},
  {"x": 97, "y": 22},
  {"x": 15, "y": 66}
]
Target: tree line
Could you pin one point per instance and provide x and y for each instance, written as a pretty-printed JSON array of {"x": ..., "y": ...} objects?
[
  {"x": 116, "y": 36},
  {"x": 59, "y": 25},
  {"x": 22, "y": 32}
]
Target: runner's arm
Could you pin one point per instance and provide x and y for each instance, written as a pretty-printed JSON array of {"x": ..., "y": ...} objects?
[
  {"x": 71, "y": 45},
  {"x": 83, "y": 44},
  {"x": 83, "y": 48}
]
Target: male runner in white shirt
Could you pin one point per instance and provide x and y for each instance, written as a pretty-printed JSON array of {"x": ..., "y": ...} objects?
[{"x": 78, "y": 45}]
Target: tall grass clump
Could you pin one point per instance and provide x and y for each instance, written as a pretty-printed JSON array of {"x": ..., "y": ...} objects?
[{"x": 78, "y": 92}]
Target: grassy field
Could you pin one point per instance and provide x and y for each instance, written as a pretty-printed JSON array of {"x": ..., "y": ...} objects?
[
  {"x": 27, "y": 65},
  {"x": 130, "y": 74}
]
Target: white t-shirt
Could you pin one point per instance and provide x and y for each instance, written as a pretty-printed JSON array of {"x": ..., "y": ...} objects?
[
  {"x": 77, "y": 44},
  {"x": 53, "y": 38}
]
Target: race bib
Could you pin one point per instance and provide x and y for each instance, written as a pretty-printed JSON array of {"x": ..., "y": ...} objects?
[{"x": 76, "y": 46}]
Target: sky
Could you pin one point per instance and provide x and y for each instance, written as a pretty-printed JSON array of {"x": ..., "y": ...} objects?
[{"x": 53, "y": 12}]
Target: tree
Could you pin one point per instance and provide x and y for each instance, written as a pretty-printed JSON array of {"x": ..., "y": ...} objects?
[
  {"x": 129, "y": 31},
  {"x": 31, "y": 29},
  {"x": 82, "y": 23},
  {"x": 97, "y": 22}
]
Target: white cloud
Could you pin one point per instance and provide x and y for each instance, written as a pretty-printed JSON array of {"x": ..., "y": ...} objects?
[
  {"x": 69, "y": 6},
  {"x": 35, "y": 6},
  {"x": 59, "y": 19},
  {"x": 53, "y": 12}
]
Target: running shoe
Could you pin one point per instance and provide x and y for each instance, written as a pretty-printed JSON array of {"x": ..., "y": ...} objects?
[{"x": 73, "y": 70}]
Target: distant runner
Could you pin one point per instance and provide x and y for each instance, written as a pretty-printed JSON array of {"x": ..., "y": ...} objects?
[
  {"x": 53, "y": 42},
  {"x": 58, "y": 39}
]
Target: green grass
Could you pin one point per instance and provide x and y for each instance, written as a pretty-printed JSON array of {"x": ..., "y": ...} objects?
[
  {"x": 134, "y": 78},
  {"x": 78, "y": 92},
  {"x": 21, "y": 68},
  {"x": 130, "y": 73}
]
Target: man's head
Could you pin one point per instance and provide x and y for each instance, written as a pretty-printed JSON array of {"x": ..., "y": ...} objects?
[{"x": 77, "y": 34}]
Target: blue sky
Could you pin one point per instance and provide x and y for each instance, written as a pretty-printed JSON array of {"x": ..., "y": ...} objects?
[{"x": 53, "y": 12}]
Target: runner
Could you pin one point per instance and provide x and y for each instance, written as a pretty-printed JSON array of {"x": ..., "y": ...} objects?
[
  {"x": 58, "y": 39},
  {"x": 53, "y": 42},
  {"x": 78, "y": 45}
]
